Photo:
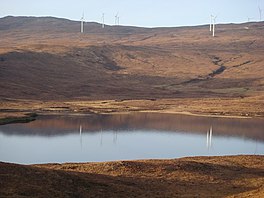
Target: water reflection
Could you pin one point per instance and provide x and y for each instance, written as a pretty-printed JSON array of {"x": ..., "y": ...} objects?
[
  {"x": 133, "y": 136},
  {"x": 209, "y": 136},
  {"x": 101, "y": 138},
  {"x": 80, "y": 135},
  {"x": 54, "y": 126}
]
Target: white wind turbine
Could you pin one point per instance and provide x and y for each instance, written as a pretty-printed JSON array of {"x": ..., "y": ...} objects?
[
  {"x": 249, "y": 19},
  {"x": 214, "y": 17},
  {"x": 82, "y": 22},
  {"x": 211, "y": 22},
  {"x": 116, "y": 19},
  {"x": 260, "y": 13},
  {"x": 103, "y": 23}
]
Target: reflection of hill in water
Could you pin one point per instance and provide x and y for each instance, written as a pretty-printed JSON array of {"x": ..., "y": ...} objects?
[{"x": 51, "y": 125}]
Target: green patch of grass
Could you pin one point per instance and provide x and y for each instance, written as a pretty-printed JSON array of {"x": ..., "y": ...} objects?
[
  {"x": 29, "y": 117},
  {"x": 231, "y": 90}
]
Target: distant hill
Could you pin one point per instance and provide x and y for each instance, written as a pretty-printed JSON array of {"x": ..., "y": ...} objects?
[
  {"x": 47, "y": 58},
  {"x": 52, "y": 24}
]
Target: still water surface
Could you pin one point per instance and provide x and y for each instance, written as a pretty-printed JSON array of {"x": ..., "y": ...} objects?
[{"x": 123, "y": 137}]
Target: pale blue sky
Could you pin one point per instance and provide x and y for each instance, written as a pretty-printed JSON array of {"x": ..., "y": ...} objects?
[{"x": 148, "y": 13}]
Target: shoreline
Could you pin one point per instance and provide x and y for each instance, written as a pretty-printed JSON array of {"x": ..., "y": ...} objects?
[
  {"x": 28, "y": 118},
  {"x": 19, "y": 110},
  {"x": 51, "y": 164},
  {"x": 201, "y": 115}
]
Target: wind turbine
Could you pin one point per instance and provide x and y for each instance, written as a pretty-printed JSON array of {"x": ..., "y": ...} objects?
[
  {"x": 249, "y": 19},
  {"x": 214, "y": 17},
  {"x": 116, "y": 19},
  {"x": 211, "y": 21},
  {"x": 82, "y": 21},
  {"x": 103, "y": 25},
  {"x": 260, "y": 13}
]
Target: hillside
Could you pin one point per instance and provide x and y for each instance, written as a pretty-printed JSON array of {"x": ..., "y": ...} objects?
[
  {"x": 47, "y": 59},
  {"x": 227, "y": 176}
]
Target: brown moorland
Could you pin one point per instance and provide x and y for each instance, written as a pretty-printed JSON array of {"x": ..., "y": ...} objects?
[
  {"x": 45, "y": 62},
  {"x": 48, "y": 67},
  {"x": 229, "y": 176}
]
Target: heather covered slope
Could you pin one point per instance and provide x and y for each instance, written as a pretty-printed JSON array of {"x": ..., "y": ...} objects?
[
  {"x": 187, "y": 177},
  {"x": 184, "y": 69},
  {"x": 46, "y": 58}
]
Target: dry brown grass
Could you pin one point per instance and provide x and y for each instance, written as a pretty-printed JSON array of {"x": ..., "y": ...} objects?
[
  {"x": 218, "y": 107},
  {"x": 187, "y": 177},
  {"x": 53, "y": 62}
]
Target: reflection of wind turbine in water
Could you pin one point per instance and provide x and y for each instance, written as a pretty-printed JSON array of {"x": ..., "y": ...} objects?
[
  {"x": 81, "y": 135},
  {"x": 101, "y": 138},
  {"x": 209, "y": 136},
  {"x": 115, "y": 137},
  {"x": 207, "y": 139},
  {"x": 256, "y": 148}
]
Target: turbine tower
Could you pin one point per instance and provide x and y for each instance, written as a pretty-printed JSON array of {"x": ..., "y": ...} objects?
[
  {"x": 214, "y": 17},
  {"x": 211, "y": 21},
  {"x": 103, "y": 24},
  {"x": 116, "y": 19},
  {"x": 249, "y": 19},
  {"x": 82, "y": 21},
  {"x": 260, "y": 13}
]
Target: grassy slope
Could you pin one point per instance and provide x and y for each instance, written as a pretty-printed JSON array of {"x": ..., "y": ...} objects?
[
  {"x": 45, "y": 59},
  {"x": 199, "y": 176}
]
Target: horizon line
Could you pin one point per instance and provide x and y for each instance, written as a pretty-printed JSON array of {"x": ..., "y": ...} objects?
[{"x": 131, "y": 25}]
